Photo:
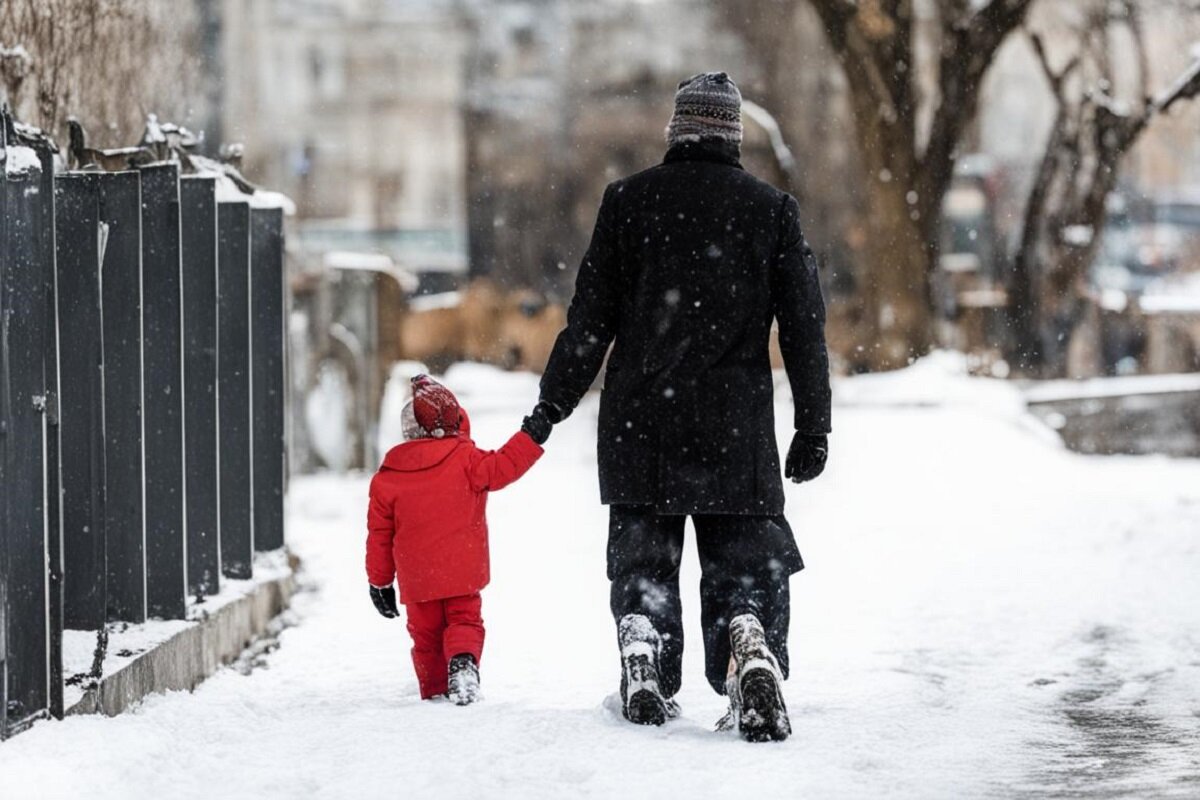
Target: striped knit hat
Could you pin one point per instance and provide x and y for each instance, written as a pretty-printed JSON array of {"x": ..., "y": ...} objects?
[{"x": 707, "y": 106}]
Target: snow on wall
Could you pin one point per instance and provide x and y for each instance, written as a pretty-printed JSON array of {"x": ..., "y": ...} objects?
[{"x": 21, "y": 161}]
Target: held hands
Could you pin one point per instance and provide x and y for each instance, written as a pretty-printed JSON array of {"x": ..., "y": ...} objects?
[
  {"x": 541, "y": 421},
  {"x": 806, "y": 457},
  {"x": 384, "y": 598}
]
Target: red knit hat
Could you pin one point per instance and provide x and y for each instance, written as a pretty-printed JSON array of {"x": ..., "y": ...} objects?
[{"x": 435, "y": 407}]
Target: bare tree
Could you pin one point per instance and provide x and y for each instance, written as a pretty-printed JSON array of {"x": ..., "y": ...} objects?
[
  {"x": 908, "y": 143},
  {"x": 109, "y": 62},
  {"x": 1066, "y": 211}
]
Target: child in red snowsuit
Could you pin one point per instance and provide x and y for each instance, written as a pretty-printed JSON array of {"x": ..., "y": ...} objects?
[{"x": 427, "y": 528}]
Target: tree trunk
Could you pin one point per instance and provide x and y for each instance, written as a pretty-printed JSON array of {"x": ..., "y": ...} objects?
[{"x": 897, "y": 303}]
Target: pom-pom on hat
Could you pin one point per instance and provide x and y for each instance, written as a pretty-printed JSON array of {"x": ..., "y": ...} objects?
[{"x": 435, "y": 407}]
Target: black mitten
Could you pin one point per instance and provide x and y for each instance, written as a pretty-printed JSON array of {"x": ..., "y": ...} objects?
[
  {"x": 541, "y": 421},
  {"x": 806, "y": 457},
  {"x": 384, "y": 598}
]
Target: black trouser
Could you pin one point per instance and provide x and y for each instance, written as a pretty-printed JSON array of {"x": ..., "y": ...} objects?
[{"x": 745, "y": 563}]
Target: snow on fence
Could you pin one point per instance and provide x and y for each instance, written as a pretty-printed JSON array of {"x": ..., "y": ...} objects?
[{"x": 142, "y": 401}]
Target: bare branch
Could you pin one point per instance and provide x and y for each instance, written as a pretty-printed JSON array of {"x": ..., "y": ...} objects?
[
  {"x": 835, "y": 18},
  {"x": 1133, "y": 19},
  {"x": 1056, "y": 78},
  {"x": 1186, "y": 87},
  {"x": 968, "y": 48}
]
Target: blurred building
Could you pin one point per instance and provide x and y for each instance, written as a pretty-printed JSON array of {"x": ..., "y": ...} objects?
[
  {"x": 354, "y": 107},
  {"x": 564, "y": 97},
  {"x": 459, "y": 137}
]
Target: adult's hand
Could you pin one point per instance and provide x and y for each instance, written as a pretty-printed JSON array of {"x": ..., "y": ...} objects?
[
  {"x": 541, "y": 421},
  {"x": 384, "y": 598},
  {"x": 806, "y": 457}
]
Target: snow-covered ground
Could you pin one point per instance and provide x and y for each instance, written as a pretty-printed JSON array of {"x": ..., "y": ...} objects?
[{"x": 983, "y": 615}]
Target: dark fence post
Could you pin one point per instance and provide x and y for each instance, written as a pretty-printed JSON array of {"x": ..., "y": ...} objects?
[
  {"x": 267, "y": 371},
  {"x": 78, "y": 239},
  {"x": 162, "y": 314},
  {"x": 198, "y": 216},
  {"x": 53, "y": 489},
  {"x": 233, "y": 389},
  {"x": 121, "y": 316},
  {"x": 24, "y": 589}
]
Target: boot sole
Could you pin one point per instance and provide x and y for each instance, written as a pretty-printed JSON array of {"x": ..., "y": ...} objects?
[
  {"x": 764, "y": 717},
  {"x": 646, "y": 708}
]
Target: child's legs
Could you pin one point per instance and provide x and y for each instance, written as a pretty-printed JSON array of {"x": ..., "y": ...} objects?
[
  {"x": 464, "y": 626},
  {"x": 426, "y": 625}
]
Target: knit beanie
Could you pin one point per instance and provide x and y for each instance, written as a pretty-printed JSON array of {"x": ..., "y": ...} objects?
[
  {"x": 435, "y": 407},
  {"x": 707, "y": 106}
]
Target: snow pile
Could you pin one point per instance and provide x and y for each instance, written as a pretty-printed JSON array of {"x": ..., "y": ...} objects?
[{"x": 939, "y": 379}]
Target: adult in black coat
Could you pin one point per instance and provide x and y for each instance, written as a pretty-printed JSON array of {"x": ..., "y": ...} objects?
[{"x": 690, "y": 263}]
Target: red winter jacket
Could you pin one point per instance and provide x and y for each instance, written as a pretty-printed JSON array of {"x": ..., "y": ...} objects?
[{"x": 426, "y": 523}]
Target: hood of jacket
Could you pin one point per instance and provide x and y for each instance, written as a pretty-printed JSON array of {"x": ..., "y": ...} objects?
[{"x": 422, "y": 454}]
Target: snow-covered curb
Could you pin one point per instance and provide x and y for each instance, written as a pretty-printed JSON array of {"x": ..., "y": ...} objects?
[{"x": 166, "y": 655}]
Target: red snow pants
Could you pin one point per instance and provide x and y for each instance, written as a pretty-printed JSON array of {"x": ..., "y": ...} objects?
[{"x": 440, "y": 630}]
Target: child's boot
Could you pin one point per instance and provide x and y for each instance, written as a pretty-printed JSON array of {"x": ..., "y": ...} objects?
[{"x": 464, "y": 680}]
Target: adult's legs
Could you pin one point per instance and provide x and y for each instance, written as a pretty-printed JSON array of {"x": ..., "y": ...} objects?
[
  {"x": 644, "y": 551},
  {"x": 426, "y": 626},
  {"x": 464, "y": 627},
  {"x": 745, "y": 565}
]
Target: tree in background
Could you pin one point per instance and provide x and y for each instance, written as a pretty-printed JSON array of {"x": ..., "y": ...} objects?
[
  {"x": 141, "y": 57},
  {"x": 908, "y": 142},
  {"x": 796, "y": 118},
  {"x": 1066, "y": 212}
]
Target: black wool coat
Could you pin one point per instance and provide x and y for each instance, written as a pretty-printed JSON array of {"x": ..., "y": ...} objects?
[{"x": 689, "y": 264}]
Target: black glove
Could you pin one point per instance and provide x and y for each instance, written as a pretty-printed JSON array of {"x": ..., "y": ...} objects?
[
  {"x": 806, "y": 457},
  {"x": 384, "y": 598},
  {"x": 541, "y": 421}
]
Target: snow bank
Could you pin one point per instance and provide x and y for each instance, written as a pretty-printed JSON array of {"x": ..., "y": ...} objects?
[
  {"x": 1052, "y": 391},
  {"x": 939, "y": 379}
]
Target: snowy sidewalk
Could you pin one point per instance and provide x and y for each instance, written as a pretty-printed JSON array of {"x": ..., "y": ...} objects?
[{"x": 984, "y": 614}]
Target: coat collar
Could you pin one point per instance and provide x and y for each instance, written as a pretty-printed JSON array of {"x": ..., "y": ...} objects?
[
  {"x": 421, "y": 454},
  {"x": 716, "y": 150}
]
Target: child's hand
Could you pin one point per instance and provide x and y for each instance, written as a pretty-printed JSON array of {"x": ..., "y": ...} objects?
[
  {"x": 541, "y": 421},
  {"x": 384, "y": 598}
]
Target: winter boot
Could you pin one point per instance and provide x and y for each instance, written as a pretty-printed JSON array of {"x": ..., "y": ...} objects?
[
  {"x": 642, "y": 701},
  {"x": 754, "y": 685},
  {"x": 464, "y": 680}
]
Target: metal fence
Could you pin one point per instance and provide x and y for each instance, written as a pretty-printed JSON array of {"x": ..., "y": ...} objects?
[{"x": 142, "y": 402}]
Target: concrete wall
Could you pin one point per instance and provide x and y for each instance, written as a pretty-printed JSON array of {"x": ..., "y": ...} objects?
[{"x": 186, "y": 659}]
